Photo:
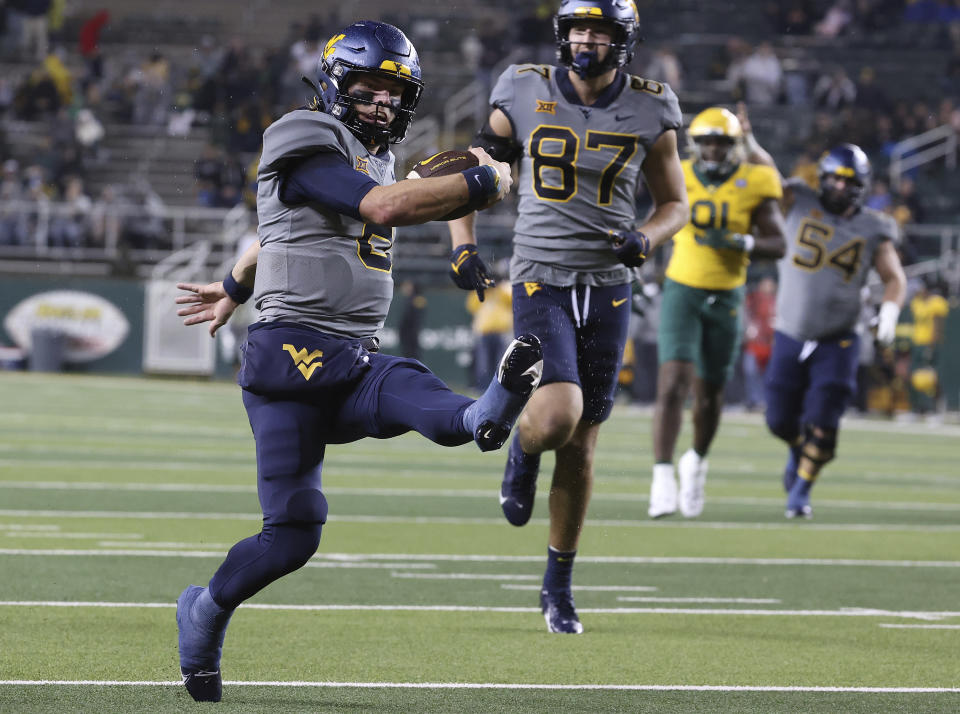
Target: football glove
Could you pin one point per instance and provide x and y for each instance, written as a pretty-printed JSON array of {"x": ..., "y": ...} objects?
[
  {"x": 468, "y": 271},
  {"x": 723, "y": 239},
  {"x": 887, "y": 323},
  {"x": 631, "y": 247}
]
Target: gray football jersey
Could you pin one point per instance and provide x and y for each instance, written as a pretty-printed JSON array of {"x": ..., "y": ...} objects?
[
  {"x": 580, "y": 169},
  {"x": 317, "y": 267},
  {"x": 827, "y": 262}
]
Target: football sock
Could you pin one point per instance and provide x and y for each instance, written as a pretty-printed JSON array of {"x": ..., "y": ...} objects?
[
  {"x": 206, "y": 624},
  {"x": 527, "y": 462},
  {"x": 663, "y": 469},
  {"x": 559, "y": 569},
  {"x": 207, "y": 613}
]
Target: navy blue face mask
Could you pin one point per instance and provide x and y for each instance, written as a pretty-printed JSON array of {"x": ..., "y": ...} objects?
[{"x": 587, "y": 64}]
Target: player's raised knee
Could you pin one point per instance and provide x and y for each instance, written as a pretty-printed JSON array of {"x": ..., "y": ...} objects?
[{"x": 307, "y": 505}]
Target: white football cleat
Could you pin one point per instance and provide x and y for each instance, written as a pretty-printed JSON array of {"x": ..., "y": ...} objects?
[
  {"x": 692, "y": 471},
  {"x": 663, "y": 491}
]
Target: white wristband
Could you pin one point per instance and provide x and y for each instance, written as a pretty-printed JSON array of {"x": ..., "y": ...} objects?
[{"x": 748, "y": 242}]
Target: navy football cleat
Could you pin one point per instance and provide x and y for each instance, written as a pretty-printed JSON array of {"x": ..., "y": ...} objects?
[
  {"x": 519, "y": 484},
  {"x": 200, "y": 647},
  {"x": 203, "y": 686},
  {"x": 559, "y": 612},
  {"x": 493, "y": 415}
]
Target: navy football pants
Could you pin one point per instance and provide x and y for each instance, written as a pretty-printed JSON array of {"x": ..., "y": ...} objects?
[{"x": 393, "y": 397}]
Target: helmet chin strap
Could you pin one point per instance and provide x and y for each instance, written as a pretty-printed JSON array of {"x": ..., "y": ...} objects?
[{"x": 587, "y": 64}]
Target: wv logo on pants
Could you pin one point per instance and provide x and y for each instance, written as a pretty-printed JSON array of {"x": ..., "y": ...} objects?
[{"x": 305, "y": 362}]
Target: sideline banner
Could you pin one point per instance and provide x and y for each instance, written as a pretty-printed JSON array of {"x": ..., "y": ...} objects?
[
  {"x": 93, "y": 326},
  {"x": 101, "y": 319}
]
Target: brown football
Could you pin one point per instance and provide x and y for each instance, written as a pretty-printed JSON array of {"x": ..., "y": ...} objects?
[{"x": 444, "y": 164}]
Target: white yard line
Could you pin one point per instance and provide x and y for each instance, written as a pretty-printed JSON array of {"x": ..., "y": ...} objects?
[
  {"x": 714, "y": 600},
  {"x": 591, "y": 588},
  {"x": 445, "y": 557},
  {"x": 841, "y": 612},
  {"x": 464, "y": 576},
  {"x": 495, "y": 685},
  {"x": 459, "y": 521},
  {"x": 75, "y": 536},
  {"x": 920, "y": 627}
]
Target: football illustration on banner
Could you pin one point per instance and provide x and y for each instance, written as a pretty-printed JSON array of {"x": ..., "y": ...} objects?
[{"x": 94, "y": 327}]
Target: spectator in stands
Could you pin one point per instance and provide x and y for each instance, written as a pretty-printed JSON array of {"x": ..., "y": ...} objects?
[
  {"x": 34, "y": 41},
  {"x": 7, "y": 93},
  {"x": 836, "y": 20},
  {"x": 153, "y": 91},
  {"x": 907, "y": 195},
  {"x": 796, "y": 83},
  {"x": 70, "y": 224},
  {"x": 233, "y": 179},
  {"x": 36, "y": 97},
  {"x": 880, "y": 198},
  {"x": 929, "y": 309},
  {"x": 728, "y": 59},
  {"x": 208, "y": 172},
  {"x": 89, "y": 134},
  {"x": 792, "y": 18},
  {"x": 13, "y": 222},
  {"x": 871, "y": 96},
  {"x": 89, "y": 47},
  {"x": 306, "y": 52},
  {"x": 664, "y": 66},
  {"x": 760, "y": 307},
  {"x": 834, "y": 90},
  {"x": 106, "y": 219},
  {"x": 759, "y": 77},
  {"x": 492, "y": 328},
  {"x": 411, "y": 319}
]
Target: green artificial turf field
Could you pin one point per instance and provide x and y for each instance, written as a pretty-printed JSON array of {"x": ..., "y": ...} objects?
[{"x": 116, "y": 493}]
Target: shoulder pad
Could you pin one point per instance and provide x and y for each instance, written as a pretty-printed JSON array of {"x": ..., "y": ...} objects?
[{"x": 301, "y": 133}]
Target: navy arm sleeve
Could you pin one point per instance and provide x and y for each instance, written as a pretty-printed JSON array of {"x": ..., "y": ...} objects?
[{"x": 326, "y": 178}]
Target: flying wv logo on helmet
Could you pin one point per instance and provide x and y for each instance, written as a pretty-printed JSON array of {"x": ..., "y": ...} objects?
[
  {"x": 624, "y": 20},
  {"x": 844, "y": 178},
  {"x": 373, "y": 48}
]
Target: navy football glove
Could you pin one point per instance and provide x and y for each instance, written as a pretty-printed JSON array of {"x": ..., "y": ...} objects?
[
  {"x": 631, "y": 247},
  {"x": 468, "y": 271}
]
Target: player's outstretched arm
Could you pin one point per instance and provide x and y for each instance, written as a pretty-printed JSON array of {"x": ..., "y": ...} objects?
[
  {"x": 756, "y": 154},
  {"x": 769, "y": 240},
  {"x": 412, "y": 202},
  {"x": 888, "y": 267},
  {"x": 664, "y": 176},
  {"x": 216, "y": 302}
]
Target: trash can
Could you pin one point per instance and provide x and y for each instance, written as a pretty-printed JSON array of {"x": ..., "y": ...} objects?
[{"x": 48, "y": 347}]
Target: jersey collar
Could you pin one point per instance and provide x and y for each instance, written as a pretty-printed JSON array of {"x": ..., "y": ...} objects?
[{"x": 603, "y": 101}]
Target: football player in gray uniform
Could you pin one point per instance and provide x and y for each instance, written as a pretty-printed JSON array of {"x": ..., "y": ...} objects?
[
  {"x": 832, "y": 244},
  {"x": 320, "y": 273},
  {"x": 585, "y": 135}
]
